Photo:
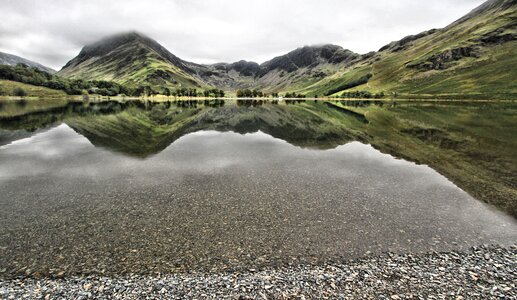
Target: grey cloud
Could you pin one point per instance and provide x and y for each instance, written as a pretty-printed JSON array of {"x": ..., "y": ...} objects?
[{"x": 52, "y": 32}]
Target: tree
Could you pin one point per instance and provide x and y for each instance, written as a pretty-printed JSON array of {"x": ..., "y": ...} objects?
[
  {"x": 167, "y": 92},
  {"x": 84, "y": 93},
  {"x": 19, "y": 92},
  {"x": 147, "y": 91}
]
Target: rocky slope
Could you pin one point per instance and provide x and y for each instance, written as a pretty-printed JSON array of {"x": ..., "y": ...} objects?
[{"x": 298, "y": 68}]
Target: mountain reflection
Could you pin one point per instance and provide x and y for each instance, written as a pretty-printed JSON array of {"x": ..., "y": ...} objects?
[
  {"x": 471, "y": 143},
  {"x": 144, "y": 128}
]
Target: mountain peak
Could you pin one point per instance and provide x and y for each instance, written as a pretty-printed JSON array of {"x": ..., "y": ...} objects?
[
  {"x": 124, "y": 37},
  {"x": 308, "y": 56},
  {"x": 128, "y": 52},
  {"x": 131, "y": 42},
  {"x": 109, "y": 43}
]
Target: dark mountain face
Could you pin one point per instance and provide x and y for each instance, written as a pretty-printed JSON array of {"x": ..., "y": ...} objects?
[
  {"x": 308, "y": 56},
  {"x": 244, "y": 68},
  {"x": 12, "y": 60},
  {"x": 304, "y": 57},
  {"x": 306, "y": 64}
]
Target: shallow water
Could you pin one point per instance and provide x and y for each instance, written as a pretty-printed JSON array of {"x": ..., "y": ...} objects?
[{"x": 77, "y": 196}]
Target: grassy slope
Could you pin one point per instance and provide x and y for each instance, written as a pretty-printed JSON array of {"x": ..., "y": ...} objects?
[
  {"x": 145, "y": 67},
  {"x": 281, "y": 81},
  {"x": 492, "y": 75},
  {"x": 338, "y": 79},
  {"x": 7, "y": 87}
]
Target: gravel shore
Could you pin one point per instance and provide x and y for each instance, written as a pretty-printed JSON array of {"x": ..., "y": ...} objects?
[{"x": 485, "y": 272}]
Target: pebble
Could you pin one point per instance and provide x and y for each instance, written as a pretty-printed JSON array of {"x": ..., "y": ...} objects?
[{"x": 470, "y": 275}]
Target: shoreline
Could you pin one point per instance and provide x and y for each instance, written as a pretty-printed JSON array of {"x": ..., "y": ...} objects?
[
  {"x": 481, "y": 272},
  {"x": 161, "y": 98}
]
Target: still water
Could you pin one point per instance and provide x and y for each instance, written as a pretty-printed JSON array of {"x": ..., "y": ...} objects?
[{"x": 108, "y": 188}]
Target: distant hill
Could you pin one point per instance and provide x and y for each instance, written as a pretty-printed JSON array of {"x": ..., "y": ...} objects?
[
  {"x": 12, "y": 60},
  {"x": 474, "y": 57}
]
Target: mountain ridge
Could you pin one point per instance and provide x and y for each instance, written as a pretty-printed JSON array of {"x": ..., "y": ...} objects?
[
  {"x": 101, "y": 54},
  {"x": 412, "y": 65}
]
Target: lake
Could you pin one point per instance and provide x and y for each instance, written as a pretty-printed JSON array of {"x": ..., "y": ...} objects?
[{"x": 118, "y": 187}]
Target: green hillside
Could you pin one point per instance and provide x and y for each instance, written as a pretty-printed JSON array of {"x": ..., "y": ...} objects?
[
  {"x": 474, "y": 57},
  {"x": 131, "y": 59},
  {"x": 9, "y": 88}
]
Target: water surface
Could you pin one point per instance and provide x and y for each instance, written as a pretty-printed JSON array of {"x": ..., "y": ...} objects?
[{"x": 141, "y": 189}]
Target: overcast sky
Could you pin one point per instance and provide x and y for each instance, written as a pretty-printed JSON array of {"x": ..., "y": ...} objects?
[{"x": 53, "y": 31}]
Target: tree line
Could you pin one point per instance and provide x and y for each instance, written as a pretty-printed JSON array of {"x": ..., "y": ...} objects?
[
  {"x": 247, "y": 93},
  {"x": 30, "y": 75},
  {"x": 362, "y": 94},
  {"x": 348, "y": 85},
  {"x": 294, "y": 95},
  {"x": 187, "y": 92}
]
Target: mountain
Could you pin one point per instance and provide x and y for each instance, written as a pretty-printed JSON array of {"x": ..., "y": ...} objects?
[
  {"x": 12, "y": 60},
  {"x": 474, "y": 57},
  {"x": 135, "y": 59},
  {"x": 132, "y": 59},
  {"x": 304, "y": 66},
  {"x": 299, "y": 67}
]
